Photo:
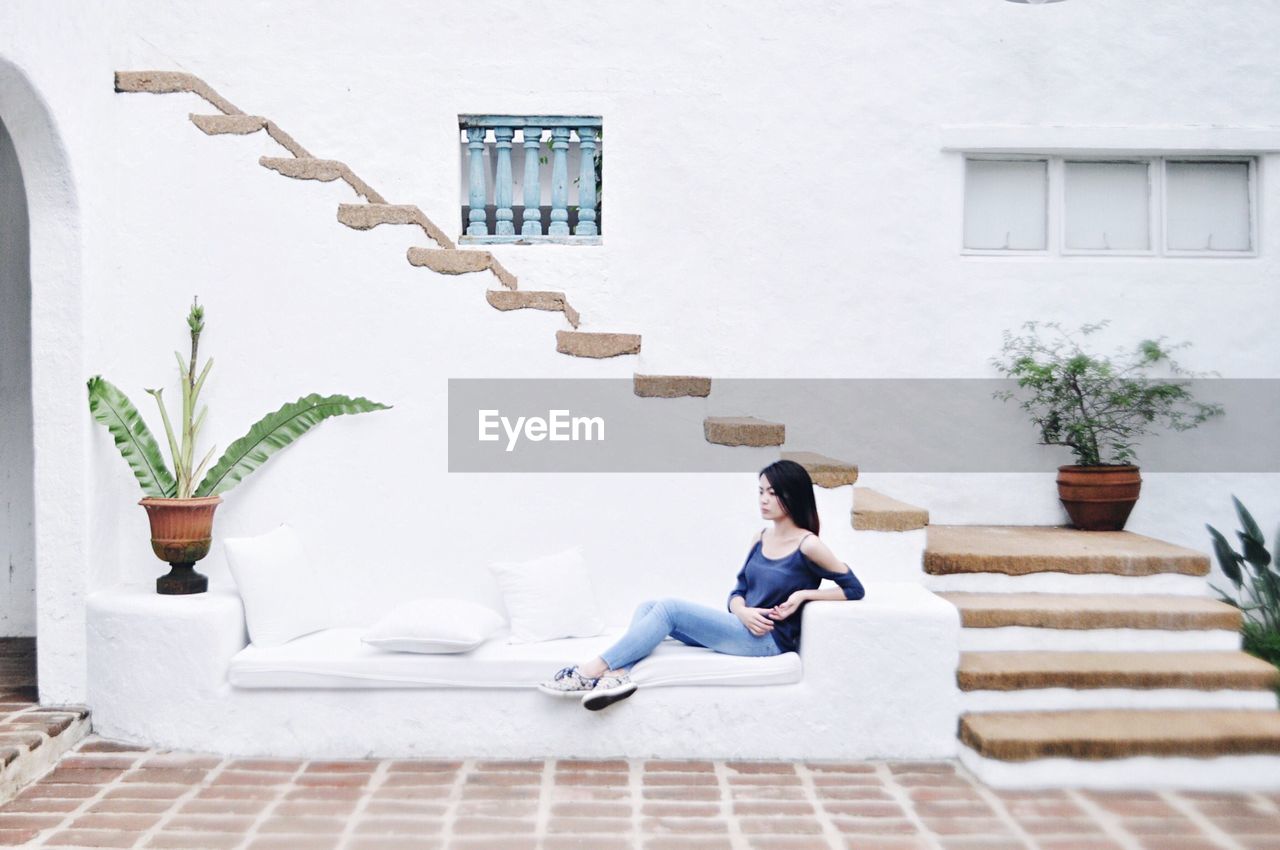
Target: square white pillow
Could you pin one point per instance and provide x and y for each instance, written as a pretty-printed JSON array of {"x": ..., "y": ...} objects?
[
  {"x": 434, "y": 626},
  {"x": 277, "y": 582},
  {"x": 549, "y": 597}
]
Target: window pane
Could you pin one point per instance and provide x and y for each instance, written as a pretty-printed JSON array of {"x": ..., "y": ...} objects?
[
  {"x": 1108, "y": 206},
  {"x": 1208, "y": 206},
  {"x": 1004, "y": 204}
]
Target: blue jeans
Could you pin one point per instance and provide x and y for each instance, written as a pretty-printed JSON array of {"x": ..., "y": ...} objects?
[{"x": 689, "y": 623}]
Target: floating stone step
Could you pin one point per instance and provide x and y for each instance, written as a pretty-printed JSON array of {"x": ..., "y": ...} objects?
[
  {"x": 825, "y": 471},
  {"x": 170, "y": 82},
  {"x": 671, "y": 386},
  {"x": 596, "y": 345},
  {"x": 237, "y": 125},
  {"x": 1114, "y": 734},
  {"x": 369, "y": 216},
  {"x": 874, "y": 511},
  {"x": 1092, "y": 611},
  {"x": 459, "y": 261},
  {"x": 324, "y": 170},
  {"x": 743, "y": 431},
  {"x": 506, "y": 299},
  {"x": 1206, "y": 671},
  {"x": 1021, "y": 550}
]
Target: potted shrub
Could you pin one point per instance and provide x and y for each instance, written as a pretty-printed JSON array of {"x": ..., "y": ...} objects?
[
  {"x": 1257, "y": 588},
  {"x": 1098, "y": 407},
  {"x": 180, "y": 504}
]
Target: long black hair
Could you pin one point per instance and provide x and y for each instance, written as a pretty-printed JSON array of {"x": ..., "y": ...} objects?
[{"x": 794, "y": 488}]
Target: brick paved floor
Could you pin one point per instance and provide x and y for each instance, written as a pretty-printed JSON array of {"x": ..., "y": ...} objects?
[{"x": 106, "y": 794}]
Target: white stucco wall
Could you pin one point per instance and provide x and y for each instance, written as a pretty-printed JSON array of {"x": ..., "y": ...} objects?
[
  {"x": 17, "y": 505},
  {"x": 779, "y": 203}
]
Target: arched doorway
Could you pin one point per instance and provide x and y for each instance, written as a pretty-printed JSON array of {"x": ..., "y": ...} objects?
[{"x": 49, "y": 328}]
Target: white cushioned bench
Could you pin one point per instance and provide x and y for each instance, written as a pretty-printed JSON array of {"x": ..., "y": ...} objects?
[
  {"x": 873, "y": 679},
  {"x": 336, "y": 658}
]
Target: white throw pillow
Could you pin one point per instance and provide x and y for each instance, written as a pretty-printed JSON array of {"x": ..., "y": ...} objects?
[
  {"x": 277, "y": 582},
  {"x": 435, "y": 626},
  {"x": 548, "y": 598}
]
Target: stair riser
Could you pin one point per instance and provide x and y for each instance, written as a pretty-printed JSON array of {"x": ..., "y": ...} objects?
[
  {"x": 1024, "y": 638},
  {"x": 1171, "y": 583},
  {"x": 1224, "y": 773},
  {"x": 1068, "y": 699}
]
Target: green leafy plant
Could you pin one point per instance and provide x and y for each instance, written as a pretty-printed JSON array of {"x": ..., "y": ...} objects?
[
  {"x": 1094, "y": 405},
  {"x": 1254, "y": 574},
  {"x": 268, "y": 435}
]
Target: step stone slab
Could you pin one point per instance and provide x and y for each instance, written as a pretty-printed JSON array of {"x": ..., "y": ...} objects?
[
  {"x": 1092, "y": 611},
  {"x": 1011, "y": 671},
  {"x": 671, "y": 386},
  {"x": 743, "y": 431},
  {"x": 874, "y": 511},
  {"x": 1022, "y": 550},
  {"x": 596, "y": 345},
  {"x": 825, "y": 471}
]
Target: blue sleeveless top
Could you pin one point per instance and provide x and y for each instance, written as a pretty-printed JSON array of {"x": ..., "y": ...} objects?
[{"x": 766, "y": 582}]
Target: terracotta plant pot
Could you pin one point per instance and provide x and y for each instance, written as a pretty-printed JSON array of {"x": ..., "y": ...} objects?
[
  {"x": 181, "y": 533},
  {"x": 1099, "y": 498}
]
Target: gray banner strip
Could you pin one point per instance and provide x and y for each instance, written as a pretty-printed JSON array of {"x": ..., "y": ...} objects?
[{"x": 882, "y": 425}]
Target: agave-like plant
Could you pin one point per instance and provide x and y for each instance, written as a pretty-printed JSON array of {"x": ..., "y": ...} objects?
[{"x": 267, "y": 436}]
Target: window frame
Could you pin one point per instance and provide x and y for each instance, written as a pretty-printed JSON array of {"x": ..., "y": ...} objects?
[{"x": 1157, "y": 213}]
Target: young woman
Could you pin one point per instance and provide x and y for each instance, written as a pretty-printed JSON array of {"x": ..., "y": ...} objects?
[{"x": 762, "y": 612}]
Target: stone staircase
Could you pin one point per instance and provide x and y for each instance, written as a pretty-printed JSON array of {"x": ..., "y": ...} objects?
[
  {"x": 32, "y": 737},
  {"x": 1083, "y": 649}
]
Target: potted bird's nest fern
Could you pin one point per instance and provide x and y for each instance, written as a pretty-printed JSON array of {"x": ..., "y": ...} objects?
[{"x": 180, "y": 504}]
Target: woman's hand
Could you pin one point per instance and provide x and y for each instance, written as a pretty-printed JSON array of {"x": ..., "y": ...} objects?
[
  {"x": 756, "y": 620},
  {"x": 786, "y": 609}
]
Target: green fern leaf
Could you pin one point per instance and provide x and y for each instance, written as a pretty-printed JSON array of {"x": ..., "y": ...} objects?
[{"x": 133, "y": 438}]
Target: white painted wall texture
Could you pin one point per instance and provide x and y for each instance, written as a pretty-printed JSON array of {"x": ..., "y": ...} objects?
[{"x": 778, "y": 203}]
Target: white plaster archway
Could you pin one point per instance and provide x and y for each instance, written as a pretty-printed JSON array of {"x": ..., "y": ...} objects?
[{"x": 58, "y": 420}]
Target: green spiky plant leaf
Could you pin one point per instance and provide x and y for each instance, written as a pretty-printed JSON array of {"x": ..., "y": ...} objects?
[
  {"x": 272, "y": 433},
  {"x": 133, "y": 438}
]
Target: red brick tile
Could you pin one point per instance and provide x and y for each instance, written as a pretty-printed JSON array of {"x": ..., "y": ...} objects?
[
  {"x": 774, "y": 779},
  {"x": 127, "y": 821},
  {"x": 684, "y": 826},
  {"x": 497, "y": 808},
  {"x": 386, "y": 842},
  {"x": 1175, "y": 842},
  {"x": 357, "y": 766},
  {"x": 397, "y": 808},
  {"x": 194, "y": 841},
  {"x": 43, "y": 804},
  {"x": 188, "y": 761},
  {"x": 143, "y": 791},
  {"x": 165, "y": 775},
  {"x": 952, "y": 792},
  {"x": 780, "y": 826},
  {"x": 503, "y": 843},
  {"x": 840, "y": 767},
  {"x": 680, "y": 810},
  {"x": 1174, "y": 825},
  {"x": 600, "y": 778},
  {"x": 686, "y": 842},
  {"x": 604, "y": 810},
  {"x": 318, "y": 780},
  {"x": 873, "y": 826},
  {"x": 423, "y": 766},
  {"x": 966, "y": 826},
  {"x": 846, "y": 792},
  {"x": 983, "y": 842},
  {"x": 880, "y": 842},
  {"x": 293, "y": 842},
  {"x": 238, "y": 792},
  {"x": 90, "y": 838},
  {"x": 510, "y": 766},
  {"x": 768, "y": 792},
  {"x": 786, "y": 842},
  {"x": 1042, "y": 808},
  {"x": 931, "y": 780},
  {"x": 102, "y": 745},
  {"x": 82, "y": 776},
  {"x": 663, "y": 766},
  {"x": 30, "y": 821},
  {"x": 588, "y": 825},
  {"x": 1132, "y": 804},
  {"x": 520, "y": 792},
  {"x": 1060, "y": 826},
  {"x": 657, "y": 779},
  {"x": 17, "y": 837},
  {"x": 863, "y": 780},
  {"x": 49, "y": 788},
  {"x": 516, "y": 777},
  {"x": 778, "y": 767},
  {"x": 103, "y": 762},
  {"x": 309, "y": 825},
  {"x": 411, "y": 791},
  {"x": 251, "y": 777},
  {"x": 573, "y": 765},
  {"x": 311, "y": 808},
  {"x": 270, "y": 765},
  {"x": 325, "y": 792},
  {"x": 1075, "y": 843},
  {"x": 1258, "y": 824},
  {"x": 398, "y": 826},
  {"x": 209, "y": 823},
  {"x": 593, "y": 842},
  {"x": 488, "y": 826},
  {"x": 954, "y": 808},
  {"x": 232, "y": 806},
  {"x": 414, "y": 778},
  {"x": 901, "y": 767},
  {"x": 772, "y": 808},
  {"x": 681, "y": 792},
  {"x": 577, "y": 793},
  {"x": 864, "y": 808}
]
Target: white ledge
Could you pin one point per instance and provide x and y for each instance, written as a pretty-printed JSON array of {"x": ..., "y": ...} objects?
[{"x": 1018, "y": 138}]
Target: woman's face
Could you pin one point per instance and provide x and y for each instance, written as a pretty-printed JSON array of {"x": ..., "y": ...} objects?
[{"x": 770, "y": 507}]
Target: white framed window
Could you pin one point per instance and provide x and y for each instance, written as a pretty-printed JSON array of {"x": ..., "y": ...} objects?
[{"x": 1129, "y": 206}]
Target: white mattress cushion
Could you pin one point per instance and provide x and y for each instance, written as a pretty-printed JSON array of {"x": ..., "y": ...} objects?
[{"x": 336, "y": 658}]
